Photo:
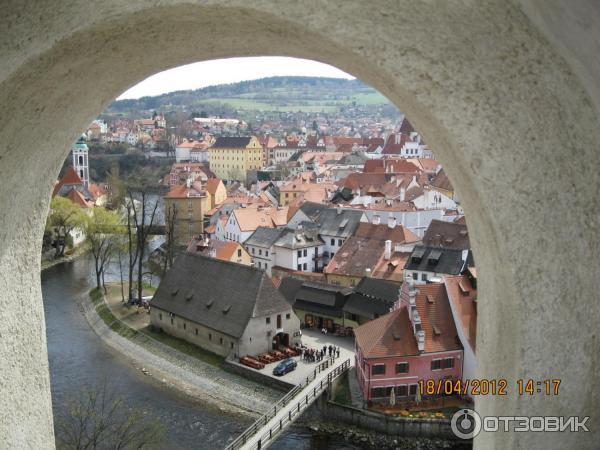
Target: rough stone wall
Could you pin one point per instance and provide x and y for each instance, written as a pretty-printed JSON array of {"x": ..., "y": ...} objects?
[{"x": 504, "y": 94}]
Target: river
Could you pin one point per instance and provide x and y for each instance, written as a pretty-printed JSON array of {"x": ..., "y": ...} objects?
[{"x": 78, "y": 358}]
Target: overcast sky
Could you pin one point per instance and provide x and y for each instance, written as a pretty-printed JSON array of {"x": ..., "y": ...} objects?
[{"x": 220, "y": 71}]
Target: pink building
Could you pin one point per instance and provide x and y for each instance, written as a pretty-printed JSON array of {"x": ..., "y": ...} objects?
[{"x": 418, "y": 340}]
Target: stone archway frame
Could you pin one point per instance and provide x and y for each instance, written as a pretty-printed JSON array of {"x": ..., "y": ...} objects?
[{"x": 508, "y": 117}]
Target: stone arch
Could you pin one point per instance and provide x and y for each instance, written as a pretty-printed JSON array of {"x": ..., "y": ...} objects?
[{"x": 506, "y": 102}]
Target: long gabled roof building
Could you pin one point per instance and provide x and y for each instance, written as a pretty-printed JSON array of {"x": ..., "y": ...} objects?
[{"x": 222, "y": 306}]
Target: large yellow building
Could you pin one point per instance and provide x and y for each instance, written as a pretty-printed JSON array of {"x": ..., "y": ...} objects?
[
  {"x": 232, "y": 157},
  {"x": 190, "y": 202}
]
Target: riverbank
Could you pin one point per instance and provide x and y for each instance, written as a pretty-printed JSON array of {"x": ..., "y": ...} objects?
[
  {"x": 198, "y": 379},
  {"x": 77, "y": 252},
  {"x": 380, "y": 441}
]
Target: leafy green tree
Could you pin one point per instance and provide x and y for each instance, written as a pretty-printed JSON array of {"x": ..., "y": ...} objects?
[{"x": 64, "y": 217}]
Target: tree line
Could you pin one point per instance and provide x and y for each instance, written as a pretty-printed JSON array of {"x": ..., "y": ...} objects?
[{"x": 118, "y": 233}]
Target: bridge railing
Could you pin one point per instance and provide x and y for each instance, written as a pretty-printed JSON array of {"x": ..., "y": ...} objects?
[{"x": 301, "y": 404}]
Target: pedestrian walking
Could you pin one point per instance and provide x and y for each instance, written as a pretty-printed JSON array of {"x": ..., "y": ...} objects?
[{"x": 337, "y": 352}]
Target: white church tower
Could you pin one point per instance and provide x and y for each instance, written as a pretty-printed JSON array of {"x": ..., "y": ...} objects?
[{"x": 80, "y": 161}]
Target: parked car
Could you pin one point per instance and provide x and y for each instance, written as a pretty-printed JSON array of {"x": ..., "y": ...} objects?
[{"x": 284, "y": 367}]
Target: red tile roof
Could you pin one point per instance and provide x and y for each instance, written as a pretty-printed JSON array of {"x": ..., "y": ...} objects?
[
  {"x": 391, "y": 148},
  {"x": 391, "y": 166},
  {"x": 78, "y": 198},
  {"x": 365, "y": 250},
  {"x": 70, "y": 177},
  {"x": 182, "y": 191},
  {"x": 389, "y": 335},
  {"x": 441, "y": 181},
  {"x": 434, "y": 308},
  {"x": 392, "y": 334},
  {"x": 212, "y": 184},
  {"x": 463, "y": 296}
]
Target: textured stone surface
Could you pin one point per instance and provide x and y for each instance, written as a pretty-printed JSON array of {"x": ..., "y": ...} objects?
[{"x": 503, "y": 91}]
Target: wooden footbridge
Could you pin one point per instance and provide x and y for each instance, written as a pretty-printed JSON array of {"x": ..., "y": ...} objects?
[{"x": 267, "y": 428}]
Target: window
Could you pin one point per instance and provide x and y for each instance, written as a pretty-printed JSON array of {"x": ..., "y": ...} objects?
[
  {"x": 436, "y": 364},
  {"x": 239, "y": 252},
  {"x": 268, "y": 320},
  {"x": 377, "y": 392},
  {"x": 332, "y": 255},
  {"x": 184, "y": 325},
  {"x": 266, "y": 252},
  {"x": 332, "y": 241},
  {"x": 231, "y": 345},
  {"x": 447, "y": 363},
  {"x": 299, "y": 266},
  {"x": 402, "y": 367},
  {"x": 402, "y": 390},
  {"x": 305, "y": 252},
  {"x": 415, "y": 276},
  {"x": 171, "y": 321},
  {"x": 196, "y": 331},
  {"x": 339, "y": 242},
  {"x": 299, "y": 253},
  {"x": 304, "y": 266},
  {"x": 221, "y": 341},
  {"x": 423, "y": 277},
  {"x": 287, "y": 316},
  {"x": 260, "y": 252},
  {"x": 378, "y": 369},
  {"x": 412, "y": 389},
  {"x": 209, "y": 336}
]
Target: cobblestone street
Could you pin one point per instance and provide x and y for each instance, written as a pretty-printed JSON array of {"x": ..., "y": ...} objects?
[{"x": 316, "y": 340}]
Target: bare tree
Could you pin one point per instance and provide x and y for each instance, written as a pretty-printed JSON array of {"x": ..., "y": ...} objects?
[
  {"x": 143, "y": 227},
  {"x": 132, "y": 247},
  {"x": 100, "y": 419},
  {"x": 170, "y": 236}
]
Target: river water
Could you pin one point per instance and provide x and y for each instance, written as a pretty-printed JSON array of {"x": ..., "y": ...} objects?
[{"x": 78, "y": 358}]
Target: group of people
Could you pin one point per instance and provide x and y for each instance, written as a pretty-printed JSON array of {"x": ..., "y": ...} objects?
[{"x": 312, "y": 355}]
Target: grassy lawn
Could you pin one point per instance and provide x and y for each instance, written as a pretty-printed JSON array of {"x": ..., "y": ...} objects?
[
  {"x": 96, "y": 296},
  {"x": 142, "y": 335},
  {"x": 184, "y": 347},
  {"x": 341, "y": 393}
]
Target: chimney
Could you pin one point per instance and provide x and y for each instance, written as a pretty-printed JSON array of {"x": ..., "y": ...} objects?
[
  {"x": 402, "y": 193},
  {"x": 392, "y": 221},
  {"x": 376, "y": 219},
  {"x": 368, "y": 272},
  {"x": 388, "y": 250},
  {"x": 339, "y": 210},
  {"x": 421, "y": 341}
]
